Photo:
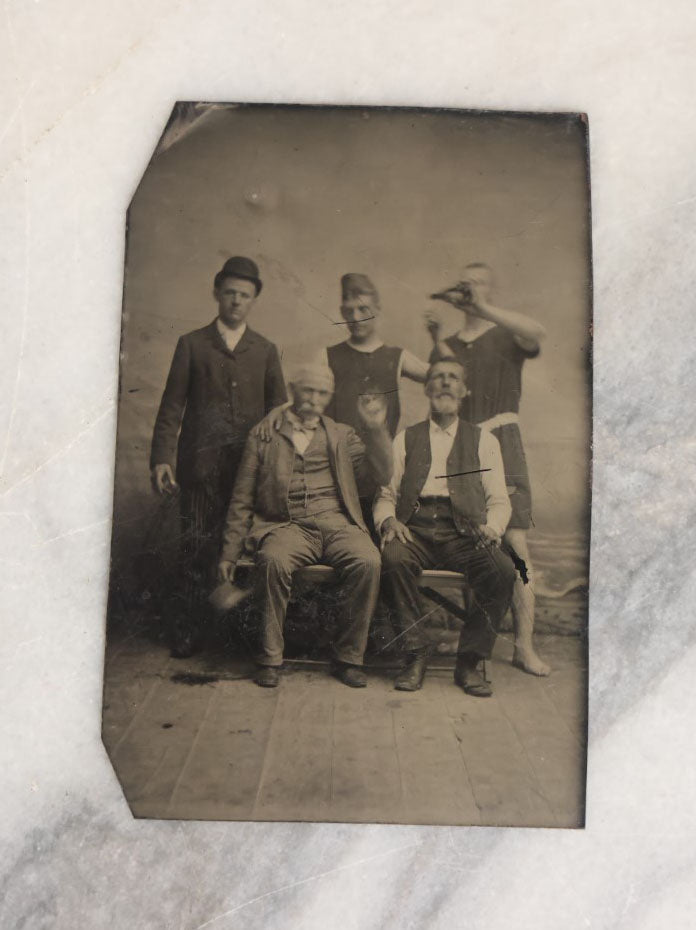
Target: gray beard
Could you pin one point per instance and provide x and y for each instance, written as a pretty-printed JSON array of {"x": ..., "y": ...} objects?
[{"x": 444, "y": 405}]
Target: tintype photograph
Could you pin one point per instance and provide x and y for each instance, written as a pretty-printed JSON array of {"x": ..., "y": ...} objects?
[{"x": 350, "y": 549}]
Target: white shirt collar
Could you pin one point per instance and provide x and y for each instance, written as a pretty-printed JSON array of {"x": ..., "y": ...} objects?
[
  {"x": 230, "y": 337},
  {"x": 450, "y": 430}
]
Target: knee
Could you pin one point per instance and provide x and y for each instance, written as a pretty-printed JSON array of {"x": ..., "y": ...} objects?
[
  {"x": 367, "y": 561},
  {"x": 275, "y": 564},
  {"x": 372, "y": 560},
  {"x": 395, "y": 558},
  {"x": 507, "y": 572}
]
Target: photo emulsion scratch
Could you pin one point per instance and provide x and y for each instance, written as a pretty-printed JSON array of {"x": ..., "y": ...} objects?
[{"x": 350, "y": 543}]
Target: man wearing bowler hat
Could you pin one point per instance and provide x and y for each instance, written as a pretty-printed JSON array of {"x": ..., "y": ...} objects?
[{"x": 223, "y": 379}]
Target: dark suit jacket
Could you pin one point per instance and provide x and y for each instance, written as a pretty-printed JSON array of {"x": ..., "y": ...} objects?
[
  {"x": 214, "y": 397},
  {"x": 260, "y": 497}
]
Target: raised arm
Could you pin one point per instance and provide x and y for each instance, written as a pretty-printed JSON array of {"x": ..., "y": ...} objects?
[
  {"x": 528, "y": 333},
  {"x": 371, "y": 455}
]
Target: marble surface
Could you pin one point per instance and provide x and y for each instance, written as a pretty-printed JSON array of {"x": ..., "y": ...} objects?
[{"x": 87, "y": 90}]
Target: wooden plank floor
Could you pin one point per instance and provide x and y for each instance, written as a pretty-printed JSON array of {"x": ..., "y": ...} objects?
[{"x": 215, "y": 746}]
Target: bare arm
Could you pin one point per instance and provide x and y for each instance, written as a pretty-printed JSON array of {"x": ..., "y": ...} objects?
[
  {"x": 412, "y": 367},
  {"x": 528, "y": 333},
  {"x": 372, "y": 455}
]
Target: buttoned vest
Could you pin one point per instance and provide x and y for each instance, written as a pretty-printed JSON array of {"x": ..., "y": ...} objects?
[
  {"x": 463, "y": 474},
  {"x": 313, "y": 487}
]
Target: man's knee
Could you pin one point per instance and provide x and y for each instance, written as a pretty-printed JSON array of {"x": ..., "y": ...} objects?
[
  {"x": 365, "y": 559},
  {"x": 275, "y": 562},
  {"x": 505, "y": 571},
  {"x": 397, "y": 559}
]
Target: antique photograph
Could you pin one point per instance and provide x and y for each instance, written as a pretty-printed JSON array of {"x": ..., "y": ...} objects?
[{"x": 351, "y": 520}]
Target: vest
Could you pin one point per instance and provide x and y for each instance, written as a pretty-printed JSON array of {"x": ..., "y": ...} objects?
[
  {"x": 359, "y": 373},
  {"x": 313, "y": 488},
  {"x": 466, "y": 490}
]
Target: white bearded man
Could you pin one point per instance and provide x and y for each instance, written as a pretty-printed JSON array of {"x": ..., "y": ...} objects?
[{"x": 296, "y": 500}]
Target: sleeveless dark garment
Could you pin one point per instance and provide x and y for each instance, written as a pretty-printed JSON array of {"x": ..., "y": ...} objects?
[{"x": 359, "y": 373}]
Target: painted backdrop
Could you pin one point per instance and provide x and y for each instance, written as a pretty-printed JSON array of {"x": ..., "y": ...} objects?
[{"x": 407, "y": 197}]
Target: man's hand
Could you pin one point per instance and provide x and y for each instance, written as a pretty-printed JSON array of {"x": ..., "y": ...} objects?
[
  {"x": 270, "y": 424},
  {"x": 488, "y": 537},
  {"x": 467, "y": 295},
  {"x": 225, "y": 571},
  {"x": 163, "y": 481},
  {"x": 372, "y": 410},
  {"x": 392, "y": 528},
  {"x": 477, "y": 302},
  {"x": 433, "y": 323}
]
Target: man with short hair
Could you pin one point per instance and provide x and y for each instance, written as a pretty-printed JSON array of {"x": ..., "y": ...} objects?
[
  {"x": 493, "y": 345},
  {"x": 446, "y": 507},
  {"x": 361, "y": 365},
  {"x": 223, "y": 379},
  {"x": 296, "y": 502}
]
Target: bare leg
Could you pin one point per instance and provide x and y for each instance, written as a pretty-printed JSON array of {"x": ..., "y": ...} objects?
[{"x": 524, "y": 656}]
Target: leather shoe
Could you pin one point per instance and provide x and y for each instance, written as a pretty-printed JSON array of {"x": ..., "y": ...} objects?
[
  {"x": 267, "y": 676},
  {"x": 471, "y": 681},
  {"x": 350, "y": 675},
  {"x": 412, "y": 675}
]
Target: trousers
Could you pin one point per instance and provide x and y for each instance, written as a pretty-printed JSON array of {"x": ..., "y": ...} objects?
[
  {"x": 331, "y": 539},
  {"x": 437, "y": 543}
]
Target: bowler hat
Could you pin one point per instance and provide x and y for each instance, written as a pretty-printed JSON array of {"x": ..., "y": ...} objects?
[{"x": 240, "y": 267}]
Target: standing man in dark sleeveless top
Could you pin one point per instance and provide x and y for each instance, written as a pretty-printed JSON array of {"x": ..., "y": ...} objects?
[
  {"x": 446, "y": 507},
  {"x": 361, "y": 365},
  {"x": 492, "y": 346}
]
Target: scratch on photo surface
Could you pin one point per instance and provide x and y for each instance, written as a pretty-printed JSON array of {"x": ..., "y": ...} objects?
[{"x": 305, "y": 881}]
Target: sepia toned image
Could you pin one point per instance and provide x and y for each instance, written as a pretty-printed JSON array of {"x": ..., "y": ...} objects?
[{"x": 350, "y": 543}]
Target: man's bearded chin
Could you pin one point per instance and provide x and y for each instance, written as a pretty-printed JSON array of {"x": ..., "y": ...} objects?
[{"x": 444, "y": 403}]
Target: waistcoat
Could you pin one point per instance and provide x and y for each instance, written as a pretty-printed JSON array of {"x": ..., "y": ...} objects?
[
  {"x": 466, "y": 490},
  {"x": 313, "y": 488}
]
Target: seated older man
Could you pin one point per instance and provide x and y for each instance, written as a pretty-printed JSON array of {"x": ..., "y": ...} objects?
[
  {"x": 296, "y": 501},
  {"x": 446, "y": 507}
]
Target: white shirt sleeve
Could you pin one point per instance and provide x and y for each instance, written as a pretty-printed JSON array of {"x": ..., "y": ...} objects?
[
  {"x": 498, "y": 509},
  {"x": 386, "y": 497}
]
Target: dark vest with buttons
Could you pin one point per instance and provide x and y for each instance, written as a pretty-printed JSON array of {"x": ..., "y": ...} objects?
[
  {"x": 466, "y": 490},
  {"x": 359, "y": 373},
  {"x": 313, "y": 488}
]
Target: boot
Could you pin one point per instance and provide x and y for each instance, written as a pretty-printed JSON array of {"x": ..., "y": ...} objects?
[{"x": 410, "y": 678}]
